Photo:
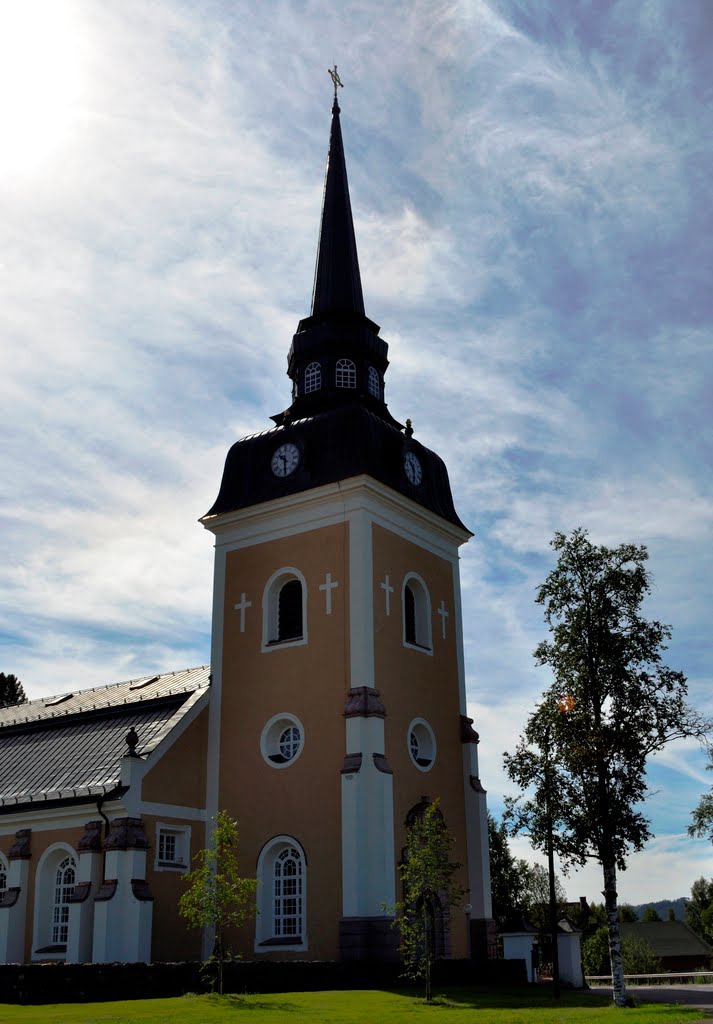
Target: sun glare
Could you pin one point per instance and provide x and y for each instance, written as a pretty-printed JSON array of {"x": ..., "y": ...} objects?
[{"x": 40, "y": 82}]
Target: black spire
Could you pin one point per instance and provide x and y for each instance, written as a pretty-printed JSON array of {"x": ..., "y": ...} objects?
[
  {"x": 337, "y": 282},
  {"x": 337, "y": 356}
]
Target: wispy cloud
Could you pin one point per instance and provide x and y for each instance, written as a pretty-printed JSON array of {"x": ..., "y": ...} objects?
[{"x": 533, "y": 214}]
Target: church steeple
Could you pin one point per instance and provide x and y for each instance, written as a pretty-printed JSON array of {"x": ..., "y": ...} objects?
[
  {"x": 337, "y": 281},
  {"x": 336, "y": 356}
]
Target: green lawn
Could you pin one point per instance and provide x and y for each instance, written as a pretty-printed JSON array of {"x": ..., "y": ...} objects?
[{"x": 456, "y": 1006}]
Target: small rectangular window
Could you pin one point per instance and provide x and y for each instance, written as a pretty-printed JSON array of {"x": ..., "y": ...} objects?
[{"x": 172, "y": 847}]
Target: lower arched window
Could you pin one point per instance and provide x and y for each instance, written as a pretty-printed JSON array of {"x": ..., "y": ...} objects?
[
  {"x": 54, "y": 885},
  {"x": 64, "y": 880},
  {"x": 282, "y": 892},
  {"x": 374, "y": 383},
  {"x": 416, "y": 613},
  {"x": 285, "y": 609}
]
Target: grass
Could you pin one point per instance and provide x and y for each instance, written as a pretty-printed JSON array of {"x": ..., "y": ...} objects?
[{"x": 453, "y": 1006}]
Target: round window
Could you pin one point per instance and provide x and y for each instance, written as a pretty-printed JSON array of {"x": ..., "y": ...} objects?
[
  {"x": 421, "y": 744},
  {"x": 282, "y": 740}
]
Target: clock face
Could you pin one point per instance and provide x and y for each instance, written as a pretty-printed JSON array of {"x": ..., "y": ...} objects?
[
  {"x": 285, "y": 460},
  {"x": 413, "y": 468}
]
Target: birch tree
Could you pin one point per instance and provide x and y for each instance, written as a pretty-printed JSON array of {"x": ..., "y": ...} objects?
[{"x": 582, "y": 758}]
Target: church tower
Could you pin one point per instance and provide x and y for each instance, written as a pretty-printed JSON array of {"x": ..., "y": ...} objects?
[{"x": 338, "y": 698}]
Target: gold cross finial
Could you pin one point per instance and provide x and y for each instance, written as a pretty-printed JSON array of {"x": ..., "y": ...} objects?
[{"x": 336, "y": 80}]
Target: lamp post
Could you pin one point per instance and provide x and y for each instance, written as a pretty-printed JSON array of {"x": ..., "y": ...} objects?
[{"x": 468, "y": 908}]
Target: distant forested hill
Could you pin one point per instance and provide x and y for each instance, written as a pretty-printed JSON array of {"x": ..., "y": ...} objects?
[{"x": 662, "y": 906}]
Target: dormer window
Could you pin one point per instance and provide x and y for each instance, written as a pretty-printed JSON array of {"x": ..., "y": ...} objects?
[
  {"x": 346, "y": 374},
  {"x": 313, "y": 378},
  {"x": 373, "y": 382}
]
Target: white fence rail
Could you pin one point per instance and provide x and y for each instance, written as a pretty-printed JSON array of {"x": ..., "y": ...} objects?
[{"x": 672, "y": 978}]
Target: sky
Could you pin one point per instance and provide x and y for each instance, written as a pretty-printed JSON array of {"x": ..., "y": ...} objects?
[{"x": 530, "y": 183}]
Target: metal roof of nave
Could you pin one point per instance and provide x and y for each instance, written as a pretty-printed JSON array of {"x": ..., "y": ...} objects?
[{"x": 70, "y": 748}]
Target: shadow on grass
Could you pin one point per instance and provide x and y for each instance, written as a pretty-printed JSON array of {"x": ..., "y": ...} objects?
[
  {"x": 512, "y": 998},
  {"x": 243, "y": 1002}
]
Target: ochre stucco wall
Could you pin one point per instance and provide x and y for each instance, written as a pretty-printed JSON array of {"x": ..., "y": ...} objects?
[
  {"x": 414, "y": 684},
  {"x": 302, "y": 800},
  {"x": 180, "y": 776}
]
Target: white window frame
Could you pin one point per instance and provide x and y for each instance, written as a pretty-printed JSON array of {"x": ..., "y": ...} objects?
[
  {"x": 422, "y": 610},
  {"x": 181, "y": 835},
  {"x": 426, "y": 740},
  {"x": 374, "y": 382},
  {"x": 313, "y": 378},
  {"x": 266, "y": 916},
  {"x": 270, "y": 606},
  {"x": 45, "y": 896},
  {"x": 345, "y": 374},
  {"x": 271, "y": 735}
]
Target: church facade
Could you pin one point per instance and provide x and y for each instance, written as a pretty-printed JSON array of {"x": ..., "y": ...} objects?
[{"x": 333, "y": 711}]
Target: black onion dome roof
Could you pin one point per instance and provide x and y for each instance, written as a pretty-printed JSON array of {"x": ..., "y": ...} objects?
[{"x": 334, "y": 445}]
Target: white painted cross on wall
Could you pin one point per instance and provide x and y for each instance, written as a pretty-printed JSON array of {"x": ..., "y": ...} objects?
[
  {"x": 241, "y": 608},
  {"x": 328, "y": 586},
  {"x": 388, "y": 591},
  {"x": 444, "y": 615}
]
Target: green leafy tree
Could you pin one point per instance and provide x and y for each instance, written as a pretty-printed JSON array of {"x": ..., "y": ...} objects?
[
  {"x": 651, "y": 915},
  {"x": 702, "y": 815},
  {"x": 508, "y": 874},
  {"x": 637, "y": 955},
  {"x": 430, "y": 890},
  {"x": 216, "y": 896},
  {"x": 612, "y": 703},
  {"x": 626, "y": 914},
  {"x": 537, "y": 897},
  {"x": 11, "y": 691},
  {"x": 699, "y": 909}
]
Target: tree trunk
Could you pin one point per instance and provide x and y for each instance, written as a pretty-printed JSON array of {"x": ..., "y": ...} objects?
[
  {"x": 220, "y": 961},
  {"x": 427, "y": 946},
  {"x": 617, "y": 964}
]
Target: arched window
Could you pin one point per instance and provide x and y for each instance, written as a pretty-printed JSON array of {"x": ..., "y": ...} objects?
[
  {"x": 284, "y": 609},
  {"x": 54, "y": 884},
  {"x": 313, "y": 378},
  {"x": 346, "y": 374},
  {"x": 416, "y": 613},
  {"x": 282, "y": 891},
  {"x": 374, "y": 383},
  {"x": 64, "y": 880},
  {"x": 289, "y": 611}
]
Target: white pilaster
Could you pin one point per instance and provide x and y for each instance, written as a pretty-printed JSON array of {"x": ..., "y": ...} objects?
[
  {"x": 476, "y": 824},
  {"x": 13, "y": 918},
  {"x": 81, "y": 914},
  {"x": 368, "y": 862},
  {"x": 361, "y": 600},
  {"x": 123, "y": 921}
]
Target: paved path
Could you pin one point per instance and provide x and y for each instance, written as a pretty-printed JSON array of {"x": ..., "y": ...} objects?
[{"x": 687, "y": 995}]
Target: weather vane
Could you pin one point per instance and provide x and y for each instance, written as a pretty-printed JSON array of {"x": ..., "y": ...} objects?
[{"x": 336, "y": 80}]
